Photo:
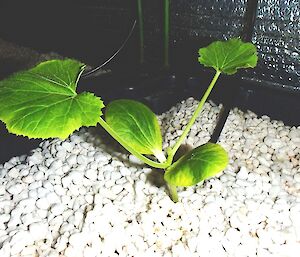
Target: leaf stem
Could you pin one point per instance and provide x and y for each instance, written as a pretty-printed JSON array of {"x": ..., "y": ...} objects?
[
  {"x": 172, "y": 151},
  {"x": 166, "y": 32},
  {"x": 160, "y": 156},
  {"x": 172, "y": 189},
  {"x": 130, "y": 149},
  {"x": 141, "y": 29}
]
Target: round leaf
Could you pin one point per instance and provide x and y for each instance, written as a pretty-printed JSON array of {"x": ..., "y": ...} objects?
[
  {"x": 200, "y": 163},
  {"x": 228, "y": 56},
  {"x": 136, "y": 124},
  {"x": 42, "y": 102}
]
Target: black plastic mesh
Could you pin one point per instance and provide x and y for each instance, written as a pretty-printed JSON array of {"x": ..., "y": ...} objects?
[
  {"x": 277, "y": 36},
  {"x": 276, "y": 32},
  {"x": 215, "y": 19}
]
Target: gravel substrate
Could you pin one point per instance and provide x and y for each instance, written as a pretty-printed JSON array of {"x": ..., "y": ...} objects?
[{"x": 81, "y": 197}]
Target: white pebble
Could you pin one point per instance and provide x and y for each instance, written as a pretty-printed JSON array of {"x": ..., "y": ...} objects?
[
  {"x": 91, "y": 174},
  {"x": 68, "y": 146},
  {"x": 39, "y": 230},
  {"x": 72, "y": 160},
  {"x": 57, "y": 209},
  {"x": 117, "y": 189},
  {"x": 77, "y": 240},
  {"x": 297, "y": 177},
  {"x": 42, "y": 203},
  {"x": 81, "y": 159},
  {"x": 15, "y": 189},
  {"x": 242, "y": 174},
  {"x": 135, "y": 160},
  {"x": 13, "y": 173}
]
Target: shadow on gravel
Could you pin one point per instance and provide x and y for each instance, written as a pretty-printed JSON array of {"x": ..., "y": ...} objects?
[
  {"x": 156, "y": 178},
  {"x": 112, "y": 147}
]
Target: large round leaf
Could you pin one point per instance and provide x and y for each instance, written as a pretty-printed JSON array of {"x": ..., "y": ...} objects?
[
  {"x": 228, "y": 56},
  {"x": 136, "y": 124},
  {"x": 200, "y": 163},
  {"x": 42, "y": 102}
]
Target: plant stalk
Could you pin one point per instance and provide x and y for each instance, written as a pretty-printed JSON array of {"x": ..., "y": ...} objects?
[
  {"x": 141, "y": 29},
  {"x": 173, "y": 193},
  {"x": 172, "y": 151},
  {"x": 172, "y": 189},
  {"x": 130, "y": 149},
  {"x": 166, "y": 32},
  {"x": 160, "y": 156}
]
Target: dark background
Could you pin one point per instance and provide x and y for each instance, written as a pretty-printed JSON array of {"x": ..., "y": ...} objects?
[{"x": 93, "y": 30}]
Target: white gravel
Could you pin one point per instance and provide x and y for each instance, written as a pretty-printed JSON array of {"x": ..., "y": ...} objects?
[{"x": 82, "y": 198}]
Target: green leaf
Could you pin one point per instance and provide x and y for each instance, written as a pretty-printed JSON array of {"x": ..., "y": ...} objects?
[
  {"x": 200, "y": 163},
  {"x": 42, "y": 102},
  {"x": 136, "y": 124},
  {"x": 228, "y": 56}
]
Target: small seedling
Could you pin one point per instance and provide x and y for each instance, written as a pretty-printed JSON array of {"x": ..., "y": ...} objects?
[
  {"x": 166, "y": 31},
  {"x": 141, "y": 29},
  {"x": 43, "y": 103}
]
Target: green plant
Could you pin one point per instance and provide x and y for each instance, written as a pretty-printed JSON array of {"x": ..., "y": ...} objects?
[
  {"x": 166, "y": 32},
  {"x": 43, "y": 103},
  {"x": 141, "y": 29}
]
